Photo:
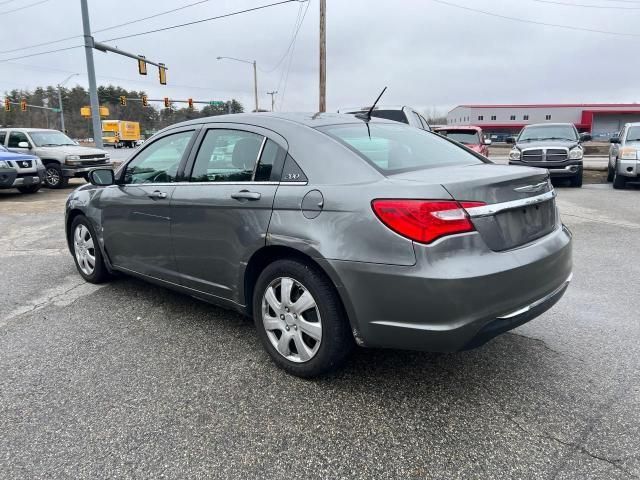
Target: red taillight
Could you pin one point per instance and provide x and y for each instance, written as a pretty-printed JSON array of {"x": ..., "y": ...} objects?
[{"x": 424, "y": 220}]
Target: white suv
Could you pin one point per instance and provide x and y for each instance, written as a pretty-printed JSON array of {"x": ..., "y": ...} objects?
[{"x": 397, "y": 113}]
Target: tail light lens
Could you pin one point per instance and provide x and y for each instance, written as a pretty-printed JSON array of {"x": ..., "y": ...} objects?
[{"x": 425, "y": 220}]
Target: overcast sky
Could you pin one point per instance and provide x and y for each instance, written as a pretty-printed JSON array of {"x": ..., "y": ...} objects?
[{"x": 428, "y": 53}]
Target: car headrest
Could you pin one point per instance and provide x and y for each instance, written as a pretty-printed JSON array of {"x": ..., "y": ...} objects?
[{"x": 245, "y": 153}]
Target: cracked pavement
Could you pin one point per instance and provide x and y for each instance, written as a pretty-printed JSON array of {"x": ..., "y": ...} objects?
[{"x": 130, "y": 380}]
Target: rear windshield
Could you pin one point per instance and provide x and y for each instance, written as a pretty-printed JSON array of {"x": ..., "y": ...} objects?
[
  {"x": 395, "y": 115},
  {"x": 396, "y": 148},
  {"x": 468, "y": 137}
]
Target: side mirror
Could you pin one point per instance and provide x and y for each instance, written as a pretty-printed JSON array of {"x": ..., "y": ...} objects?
[
  {"x": 585, "y": 137},
  {"x": 23, "y": 145},
  {"x": 487, "y": 141},
  {"x": 102, "y": 177},
  {"x": 614, "y": 140},
  {"x": 510, "y": 140}
]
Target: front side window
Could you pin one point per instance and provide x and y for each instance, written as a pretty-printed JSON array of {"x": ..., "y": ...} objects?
[
  {"x": 158, "y": 162},
  {"x": 227, "y": 156},
  {"x": 15, "y": 138},
  {"x": 393, "y": 148},
  {"x": 3, "y": 136}
]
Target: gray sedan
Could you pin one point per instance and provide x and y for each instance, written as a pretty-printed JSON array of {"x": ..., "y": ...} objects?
[{"x": 330, "y": 231}]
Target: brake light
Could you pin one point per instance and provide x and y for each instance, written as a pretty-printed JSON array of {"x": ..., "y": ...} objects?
[{"x": 424, "y": 220}]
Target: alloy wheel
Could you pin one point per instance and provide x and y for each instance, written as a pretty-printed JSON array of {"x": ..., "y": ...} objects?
[
  {"x": 84, "y": 249},
  {"x": 291, "y": 319},
  {"x": 52, "y": 177}
]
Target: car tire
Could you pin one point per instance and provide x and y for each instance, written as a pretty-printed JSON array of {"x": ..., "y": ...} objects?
[
  {"x": 316, "y": 332},
  {"x": 86, "y": 250},
  {"x": 29, "y": 189},
  {"x": 53, "y": 177},
  {"x": 619, "y": 181},
  {"x": 576, "y": 181},
  {"x": 610, "y": 173}
]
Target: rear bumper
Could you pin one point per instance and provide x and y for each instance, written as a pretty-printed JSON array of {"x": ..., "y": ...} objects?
[
  {"x": 458, "y": 295},
  {"x": 564, "y": 169}
]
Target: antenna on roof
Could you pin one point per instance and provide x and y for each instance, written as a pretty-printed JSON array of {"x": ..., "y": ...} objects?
[{"x": 367, "y": 116}]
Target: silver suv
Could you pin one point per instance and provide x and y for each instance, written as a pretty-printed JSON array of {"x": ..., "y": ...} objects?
[
  {"x": 402, "y": 114},
  {"x": 624, "y": 156},
  {"x": 62, "y": 157}
]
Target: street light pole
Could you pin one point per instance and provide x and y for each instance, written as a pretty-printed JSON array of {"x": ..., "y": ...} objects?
[
  {"x": 255, "y": 75},
  {"x": 323, "y": 56},
  {"x": 60, "y": 99},
  {"x": 91, "y": 74},
  {"x": 272, "y": 98}
]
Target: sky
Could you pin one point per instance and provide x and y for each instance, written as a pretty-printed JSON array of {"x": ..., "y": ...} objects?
[{"x": 431, "y": 54}]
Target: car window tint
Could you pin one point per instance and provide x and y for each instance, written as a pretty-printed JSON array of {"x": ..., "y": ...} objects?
[
  {"x": 158, "y": 162},
  {"x": 392, "y": 148},
  {"x": 267, "y": 160},
  {"x": 227, "y": 156},
  {"x": 3, "y": 136},
  {"x": 15, "y": 138}
]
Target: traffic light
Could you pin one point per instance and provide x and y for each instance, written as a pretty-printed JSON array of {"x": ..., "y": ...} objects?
[
  {"x": 167, "y": 103},
  {"x": 190, "y": 103},
  {"x": 7, "y": 105},
  {"x": 145, "y": 103},
  {"x": 162, "y": 74},
  {"x": 123, "y": 100},
  {"x": 142, "y": 65},
  {"x": 23, "y": 105}
]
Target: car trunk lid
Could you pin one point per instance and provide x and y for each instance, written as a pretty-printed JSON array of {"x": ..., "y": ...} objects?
[{"x": 520, "y": 201}]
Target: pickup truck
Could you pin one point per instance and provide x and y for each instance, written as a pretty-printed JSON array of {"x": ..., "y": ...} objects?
[
  {"x": 62, "y": 157},
  {"x": 24, "y": 172}
]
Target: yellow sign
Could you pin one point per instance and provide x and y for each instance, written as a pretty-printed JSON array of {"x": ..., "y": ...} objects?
[{"x": 86, "y": 111}]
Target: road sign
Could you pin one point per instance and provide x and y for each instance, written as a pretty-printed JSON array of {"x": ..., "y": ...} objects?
[{"x": 215, "y": 103}]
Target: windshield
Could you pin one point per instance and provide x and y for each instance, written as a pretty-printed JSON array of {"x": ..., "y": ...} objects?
[
  {"x": 548, "y": 132},
  {"x": 633, "y": 134},
  {"x": 50, "y": 139},
  {"x": 393, "y": 148},
  {"x": 395, "y": 115},
  {"x": 467, "y": 137}
]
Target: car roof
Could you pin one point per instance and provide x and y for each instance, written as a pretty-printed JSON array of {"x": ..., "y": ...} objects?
[
  {"x": 30, "y": 129},
  {"x": 378, "y": 107},
  {"x": 558, "y": 124},
  {"x": 457, "y": 127},
  {"x": 271, "y": 119}
]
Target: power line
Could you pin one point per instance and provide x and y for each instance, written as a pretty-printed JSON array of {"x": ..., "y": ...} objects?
[
  {"x": 296, "y": 29},
  {"x": 534, "y": 22},
  {"x": 288, "y": 69},
  {"x": 41, "y": 44},
  {"x": 606, "y": 7},
  {"x": 26, "y": 6},
  {"x": 231, "y": 14},
  {"x": 3, "y": 60}
]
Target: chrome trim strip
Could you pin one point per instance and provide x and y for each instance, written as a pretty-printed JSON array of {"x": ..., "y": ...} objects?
[
  {"x": 257, "y": 161},
  {"x": 487, "y": 210},
  {"x": 531, "y": 306}
]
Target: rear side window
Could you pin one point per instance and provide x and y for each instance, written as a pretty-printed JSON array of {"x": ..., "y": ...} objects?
[
  {"x": 3, "y": 135},
  {"x": 394, "y": 148}
]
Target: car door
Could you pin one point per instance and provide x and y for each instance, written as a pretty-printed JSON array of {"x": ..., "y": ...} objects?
[
  {"x": 220, "y": 216},
  {"x": 14, "y": 141},
  {"x": 136, "y": 217}
]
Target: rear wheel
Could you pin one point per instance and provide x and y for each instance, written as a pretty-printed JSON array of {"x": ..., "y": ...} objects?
[
  {"x": 29, "y": 189},
  {"x": 86, "y": 252},
  {"x": 53, "y": 177},
  {"x": 300, "y": 319}
]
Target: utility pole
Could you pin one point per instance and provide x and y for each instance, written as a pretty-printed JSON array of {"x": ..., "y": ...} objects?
[
  {"x": 255, "y": 83},
  {"x": 323, "y": 56},
  {"x": 272, "y": 98},
  {"x": 91, "y": 73}
]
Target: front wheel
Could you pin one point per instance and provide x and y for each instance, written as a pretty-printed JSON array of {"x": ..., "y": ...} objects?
[
  {"x": 29, "y": 189},
  {"x": 610, "y": 173},
  {"x": 619, "y": 181},
  {"x": 53, "y": 177},
  {"x": 300, "y": 319},
  {"x": 576, "y": 181},
  {"x": 86, "y": 252}
]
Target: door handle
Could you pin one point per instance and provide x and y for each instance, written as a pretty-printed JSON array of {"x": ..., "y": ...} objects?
[
  {"x": 158, "y": 194},
  {"x": 246, "y": 195}
]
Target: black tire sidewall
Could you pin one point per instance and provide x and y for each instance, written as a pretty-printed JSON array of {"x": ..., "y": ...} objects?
[
  {"x": 100, "y": 273},
  {"x": 63, "y": 180},
  {"x": 337, "y": 340}
]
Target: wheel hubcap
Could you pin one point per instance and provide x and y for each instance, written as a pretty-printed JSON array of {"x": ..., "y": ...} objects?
[
  {"x": 291, "y": 319},
  {"x": 84, "y": 249},
  {"x": 52, "y": 176}
]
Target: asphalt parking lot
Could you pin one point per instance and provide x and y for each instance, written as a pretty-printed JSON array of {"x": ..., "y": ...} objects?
[{"x": 130, "y": 380}]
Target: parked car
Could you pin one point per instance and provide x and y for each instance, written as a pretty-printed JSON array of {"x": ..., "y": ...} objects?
[
  {"x": 24, "y": 172},
  {"x": 330, "y": 231},
  {"x": 470, "y": 137},
  {"x": 554, "y": 146},
  {"x": 624, "y": 156},
  {"x": 62, "y": 157},
  {"x": 401, "y": 114}
]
